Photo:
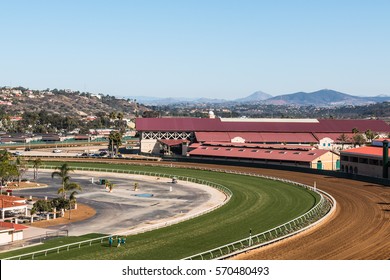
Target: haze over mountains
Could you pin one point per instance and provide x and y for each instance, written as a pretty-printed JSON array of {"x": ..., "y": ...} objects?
[{"x": 320, "y": 98}]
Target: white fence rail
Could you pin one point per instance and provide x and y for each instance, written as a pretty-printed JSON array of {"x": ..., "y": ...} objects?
[{"x": 58, "y": 249}]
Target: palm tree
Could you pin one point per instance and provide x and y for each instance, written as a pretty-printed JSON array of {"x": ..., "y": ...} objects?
[
  {"x": 21, "y": 166},
  {"x": 355, "y": 130},
  {"x": 114, "y": 140},
  {"x": 120, "y": 116},
  {"x": 63, "y": 173},
  {"x": 72, "y": 198},
  {"x": 343, "y": 138},
  {"x": 68, "y": 187},
  {"x": 358, "y": 139},
  {"x": 109, "y": 185},
  {"x": 369, "y": 135},
  {"x": 36, "y": 163}
]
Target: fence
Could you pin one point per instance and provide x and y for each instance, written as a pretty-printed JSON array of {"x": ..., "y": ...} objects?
[
  {"x": 58, "y": 249},
  {"x": 325, "y": 206}
]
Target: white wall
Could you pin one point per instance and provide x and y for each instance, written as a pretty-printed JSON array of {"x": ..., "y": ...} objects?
[
  {"x": 150, "y": 146},
  {"x": 6, "y": 236}
]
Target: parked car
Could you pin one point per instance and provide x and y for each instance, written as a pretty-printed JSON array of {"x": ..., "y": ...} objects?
[{"x": 17, "y": 153}]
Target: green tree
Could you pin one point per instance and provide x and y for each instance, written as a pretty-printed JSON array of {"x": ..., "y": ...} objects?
[
  {"x": 114, "y": 141},
  {"x": 63, "y": 173},
  {"x": 68, "y": 187},
  {"x": 41, "y": 206},
  {"x": 369, "y": 135},
  {"x": 109, "y": 185},
  {"x": 355, "y": 130},
  {"x": 72, "y": 200},
  {"x": 21, "y": 166},
  {"x": 112, "y": 115},
  {"x": 36, "y": 164},
  {"x": 343, "y": 138},
  {"x": 358, "y": 139},
  {"x": 59, "y": 203},
  {"x": 8, "y": 170}
]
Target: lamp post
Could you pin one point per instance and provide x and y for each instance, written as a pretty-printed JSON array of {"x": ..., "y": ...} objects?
[{"x": 88, "y": 144}]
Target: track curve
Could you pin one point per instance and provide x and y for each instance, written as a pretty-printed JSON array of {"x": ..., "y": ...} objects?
[{"x": 359, "y": 229}]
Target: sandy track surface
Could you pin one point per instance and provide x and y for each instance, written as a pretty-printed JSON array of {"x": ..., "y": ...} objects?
[{"x": 359, "y": 229}]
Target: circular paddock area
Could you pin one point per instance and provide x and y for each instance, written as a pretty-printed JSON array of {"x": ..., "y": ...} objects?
[{"x": 156, "y": 202}]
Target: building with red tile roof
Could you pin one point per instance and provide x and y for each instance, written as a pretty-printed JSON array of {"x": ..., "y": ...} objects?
[
  {"x": 12, "y": 203},
  {"x": 10, "y": 232},
  {"x": 278, "y": 155},
  {"x": 366, "y": 161}
]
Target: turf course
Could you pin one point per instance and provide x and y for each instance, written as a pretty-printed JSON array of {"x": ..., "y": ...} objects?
[{"x": 257, "y": 204}]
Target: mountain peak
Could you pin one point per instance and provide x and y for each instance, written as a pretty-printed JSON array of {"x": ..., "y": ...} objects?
[{"x": 256, "y": 96}]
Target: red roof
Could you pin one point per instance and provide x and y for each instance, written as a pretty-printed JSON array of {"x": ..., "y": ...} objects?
[
  {"x": 252, "y": 145},
  {"x": 7, "y": 201},
  {"x": 330, "y": 125},
  {"x": 215, "y": 125},
  {"x": 256, "y": 137},
  {"x": 11, "y": 198},
  {"x": 333, "y": 136},
  {"x": 7, "y": 225},
  {"x": 177, "y": 124},
  {"x": 255, "y": 153},
  {"x": 367, "y": 151},
  {"x": 9, "y": 204},
  {"x": 212, "y": 136}
]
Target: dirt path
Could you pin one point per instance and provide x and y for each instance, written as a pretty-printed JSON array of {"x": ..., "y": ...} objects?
[{"x": 82, "y": 212}]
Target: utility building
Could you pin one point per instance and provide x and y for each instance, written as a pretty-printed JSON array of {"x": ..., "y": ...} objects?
[{"x": 369, "y": 161}]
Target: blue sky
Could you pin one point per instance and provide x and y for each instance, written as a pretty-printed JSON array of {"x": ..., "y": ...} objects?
[{"x": 218, "y": 49}]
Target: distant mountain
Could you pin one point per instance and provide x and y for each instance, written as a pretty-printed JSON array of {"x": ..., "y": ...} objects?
[
  {"x": 379, "y": 98},
  {"x": 256, "y": 96},
  {"x": 156, "y": 101},
  {"x": 321, "y": 98},
  {"x": 209, "y": 100}
]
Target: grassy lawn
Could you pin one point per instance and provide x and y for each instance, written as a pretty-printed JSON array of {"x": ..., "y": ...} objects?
[{"x": 257, "y": 204}]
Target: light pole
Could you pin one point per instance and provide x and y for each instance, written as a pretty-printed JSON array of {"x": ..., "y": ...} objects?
[{"x": 88, "y": 144}]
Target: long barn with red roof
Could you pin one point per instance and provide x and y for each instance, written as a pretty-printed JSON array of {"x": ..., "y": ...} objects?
[{"x": 184, "y": 131}]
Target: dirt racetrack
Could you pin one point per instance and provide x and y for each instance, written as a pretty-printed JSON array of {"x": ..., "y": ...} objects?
[{"x": 359, "y": 229}]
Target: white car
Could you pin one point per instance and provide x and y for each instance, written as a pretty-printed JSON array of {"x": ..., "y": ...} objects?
[{"x": 57, "y": 151}]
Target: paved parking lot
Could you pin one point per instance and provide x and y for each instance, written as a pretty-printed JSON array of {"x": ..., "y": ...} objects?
[{"x": 122, "y": 211}]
